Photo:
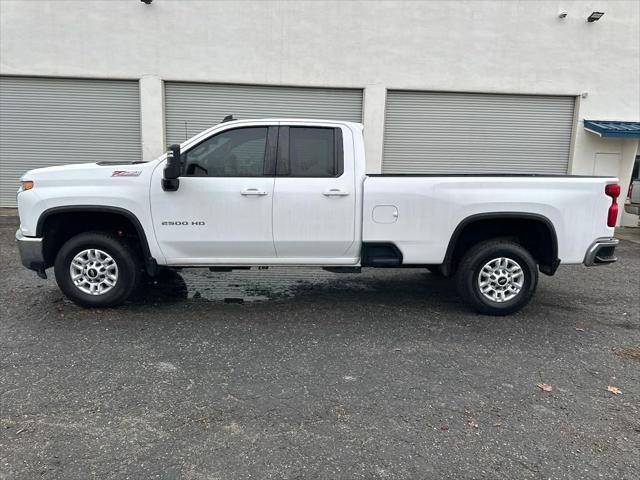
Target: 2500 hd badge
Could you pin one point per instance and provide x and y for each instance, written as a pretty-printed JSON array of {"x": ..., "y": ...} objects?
[{"x": 183, "y": 223}]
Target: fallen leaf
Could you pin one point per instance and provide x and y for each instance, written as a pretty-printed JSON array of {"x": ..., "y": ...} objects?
[
  {"x": 614, "y": 390},
  {"x": 632, "y": 352},
  {"x": 545, "y": 387}
]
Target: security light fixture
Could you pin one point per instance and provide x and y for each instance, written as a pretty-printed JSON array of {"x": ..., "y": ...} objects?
[
  {"x": 148, "y": 2},
  {"x": 562, "y": 14},
  {"x": 594, "y": 17}
]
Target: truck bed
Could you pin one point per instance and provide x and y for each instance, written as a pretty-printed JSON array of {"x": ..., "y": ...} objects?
[{"x": 420, "y": 213}]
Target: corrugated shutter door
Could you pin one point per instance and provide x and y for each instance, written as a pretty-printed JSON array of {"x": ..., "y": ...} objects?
[
  {"x": 435, "y": 132},
  {"x": 56, "y": 121},
  {"x": 203, "y": 105}
]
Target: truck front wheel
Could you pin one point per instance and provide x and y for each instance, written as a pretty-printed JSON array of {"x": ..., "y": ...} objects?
[
  {"x": 96, "y": 269},
  {"x": 497, "y": 277}
]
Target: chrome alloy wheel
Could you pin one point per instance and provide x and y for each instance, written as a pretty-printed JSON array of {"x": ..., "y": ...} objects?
[
  {"x": 500, "y": 279},
  {"x": 93, "y": 272}
]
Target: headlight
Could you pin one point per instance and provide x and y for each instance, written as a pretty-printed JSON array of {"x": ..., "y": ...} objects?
[{"x": 25, "y": 185}]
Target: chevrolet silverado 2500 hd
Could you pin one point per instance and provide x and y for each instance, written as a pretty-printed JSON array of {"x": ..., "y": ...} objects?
[{"x": 294, "y": 192}]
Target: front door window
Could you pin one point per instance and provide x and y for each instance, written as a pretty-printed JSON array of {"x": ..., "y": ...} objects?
[{"x": 233, "y": 153}]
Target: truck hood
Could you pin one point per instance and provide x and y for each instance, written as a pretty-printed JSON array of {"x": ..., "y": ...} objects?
[{"x": 90, "y": 170}]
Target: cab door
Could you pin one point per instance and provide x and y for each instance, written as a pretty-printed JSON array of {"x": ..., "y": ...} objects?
[
  {"x": 221, "y": 212},
  {"x": 314, "y": 197}
]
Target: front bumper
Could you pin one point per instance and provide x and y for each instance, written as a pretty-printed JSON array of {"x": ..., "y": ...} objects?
[
  {"x": 601, "y": 252},
  {"x": 31, "y": 253}
]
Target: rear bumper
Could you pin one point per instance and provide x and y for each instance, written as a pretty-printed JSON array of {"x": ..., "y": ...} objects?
[
  {"x": 601, "y": 252},
  {"x": 31, "y": 253}
]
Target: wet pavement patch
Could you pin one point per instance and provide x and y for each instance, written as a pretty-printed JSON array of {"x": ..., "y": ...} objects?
[{"x": 242, "y": 286}]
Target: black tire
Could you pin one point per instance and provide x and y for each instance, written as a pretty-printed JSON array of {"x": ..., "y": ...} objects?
[
  {"x": 123, "y": 254},
  {"x": 469, "y": 270}
]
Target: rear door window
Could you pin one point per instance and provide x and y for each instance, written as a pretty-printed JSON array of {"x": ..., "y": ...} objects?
[{"x": 312, "y": 152}]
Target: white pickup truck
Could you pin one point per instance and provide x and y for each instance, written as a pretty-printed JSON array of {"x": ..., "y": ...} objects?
[{"x": 294, "y": 192}]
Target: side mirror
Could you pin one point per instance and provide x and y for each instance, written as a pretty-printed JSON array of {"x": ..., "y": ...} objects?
[{"x": 170, "y": 179}]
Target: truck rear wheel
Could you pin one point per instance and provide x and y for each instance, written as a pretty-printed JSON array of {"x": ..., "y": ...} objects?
[
  {"x": 497, "y": 277},
  {"x": 96, "y": 269}
]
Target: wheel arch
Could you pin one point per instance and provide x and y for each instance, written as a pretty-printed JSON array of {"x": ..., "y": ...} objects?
[
  {"x": 149, "y": 261},
  {"x": 548, "y": 258}
]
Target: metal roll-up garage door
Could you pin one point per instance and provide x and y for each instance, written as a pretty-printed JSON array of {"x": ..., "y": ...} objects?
[
  {"x": 436, "y": 132},
  {"x": 55, "y": 121},
  {"x": 194, "y": 107}
]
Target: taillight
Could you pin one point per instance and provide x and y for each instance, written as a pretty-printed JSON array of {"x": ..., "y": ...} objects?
[{"x": 612, "y": 191}]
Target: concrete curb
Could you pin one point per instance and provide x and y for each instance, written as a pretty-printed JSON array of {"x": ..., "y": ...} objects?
[
  {"x": 631, "y": 234},
  {"x": 9, "y": 216},
  {"x": 6, "y": 220}
]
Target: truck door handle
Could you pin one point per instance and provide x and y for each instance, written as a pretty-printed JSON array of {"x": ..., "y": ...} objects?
[
  {"x": 335, "y": 192},
  {"x": 252, "y": 192}
]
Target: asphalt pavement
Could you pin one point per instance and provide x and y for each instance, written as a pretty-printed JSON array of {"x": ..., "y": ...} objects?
[{"x": 301, "y": 373}]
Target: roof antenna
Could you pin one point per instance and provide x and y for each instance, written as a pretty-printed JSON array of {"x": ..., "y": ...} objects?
[
  {"x": 228, "y": 118},
  {"x": 186, "y": 134}
]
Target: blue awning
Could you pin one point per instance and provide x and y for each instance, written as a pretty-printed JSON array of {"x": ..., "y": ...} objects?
[{"x": 608, "y": 128}]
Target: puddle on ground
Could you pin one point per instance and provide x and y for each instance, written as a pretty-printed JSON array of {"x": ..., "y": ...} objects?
[{"x": 241, "y": 286}]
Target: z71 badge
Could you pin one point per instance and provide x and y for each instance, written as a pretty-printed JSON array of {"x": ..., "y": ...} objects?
[{"x": 126, "y": 173}]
